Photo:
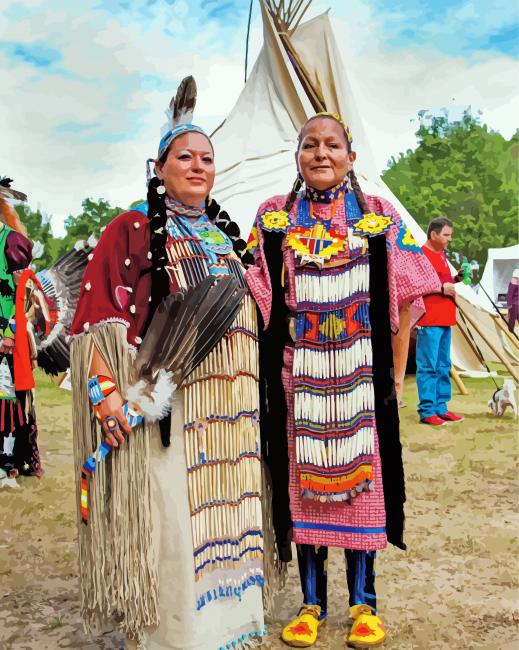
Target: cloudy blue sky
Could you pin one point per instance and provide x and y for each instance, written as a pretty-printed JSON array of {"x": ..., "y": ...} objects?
[{"x": 85, "y": 84}]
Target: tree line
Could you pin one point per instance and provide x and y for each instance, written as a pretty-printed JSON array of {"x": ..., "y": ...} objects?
[{"x": 460, "y": 169}]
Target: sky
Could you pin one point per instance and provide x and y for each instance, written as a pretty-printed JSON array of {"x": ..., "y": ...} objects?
[{"x": 85, "y": 84}]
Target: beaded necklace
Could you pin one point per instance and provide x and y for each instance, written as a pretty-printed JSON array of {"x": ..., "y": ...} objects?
[{"x": 183, "y": 210}]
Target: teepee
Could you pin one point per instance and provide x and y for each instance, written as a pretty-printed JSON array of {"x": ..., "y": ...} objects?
[{"x": 298, "y": 72}]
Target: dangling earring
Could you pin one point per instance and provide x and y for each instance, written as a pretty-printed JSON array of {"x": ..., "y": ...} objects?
[
  {"x": 161, "y": 189},
  {"x": 298, "y": 187}
]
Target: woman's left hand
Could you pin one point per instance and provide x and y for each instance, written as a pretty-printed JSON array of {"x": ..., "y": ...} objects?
[{"x": 7, "y": 345}]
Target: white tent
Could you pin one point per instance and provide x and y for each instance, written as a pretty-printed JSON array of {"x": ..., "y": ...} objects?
[
  {"x": 255, "y": 146},
  {"x": 498, "y": 271}
]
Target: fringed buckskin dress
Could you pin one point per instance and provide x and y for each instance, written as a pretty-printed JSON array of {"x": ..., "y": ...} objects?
[{"x": 173, "y": 549}]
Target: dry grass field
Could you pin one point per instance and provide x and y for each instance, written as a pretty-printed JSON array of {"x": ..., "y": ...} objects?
[{"x": 455, "y": 587}]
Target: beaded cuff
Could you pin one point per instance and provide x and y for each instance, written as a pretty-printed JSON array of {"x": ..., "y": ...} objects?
[{"x": 99, "y": 387}]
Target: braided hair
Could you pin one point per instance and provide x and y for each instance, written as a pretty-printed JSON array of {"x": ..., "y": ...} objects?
[
  {"x": 359, "y": 195},
  {"x": 158, "y": 236},
  {"x": 222, "y": 219},
  {"x": 291, "y": 198}
]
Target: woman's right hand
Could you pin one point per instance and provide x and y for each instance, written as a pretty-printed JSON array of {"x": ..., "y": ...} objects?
[{"x": 112, "y": 407}]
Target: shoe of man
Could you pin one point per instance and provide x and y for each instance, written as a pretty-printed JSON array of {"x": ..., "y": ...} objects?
[
  {"x": 302, "y": 631},
  {"x": 368, "y": 630},
  {"x": 452, "y": 417},
  {"x": 434, "y": 420}
]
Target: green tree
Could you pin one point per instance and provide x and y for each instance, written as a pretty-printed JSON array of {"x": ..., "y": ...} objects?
[
  {"x": 95, "y": 215},
  {"x": 462, "y": 170},
  {"x": 39, "y": 230},
  {"x": 90, "y": 221}
]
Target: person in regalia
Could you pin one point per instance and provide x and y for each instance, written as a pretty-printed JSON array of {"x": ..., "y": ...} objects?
[
  {"x": 19, "y": 455},
  {"x": 333, "y": 269},
  {"x": 172, "y": 552}
]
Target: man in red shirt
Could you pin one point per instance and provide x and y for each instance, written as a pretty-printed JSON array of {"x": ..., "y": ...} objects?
[{"x": 433, "y": 346}]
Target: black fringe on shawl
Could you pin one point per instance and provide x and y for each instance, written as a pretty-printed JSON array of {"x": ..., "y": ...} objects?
[
  {"x": 386, "y": 406},
  {"x": 273, "y": 406}
]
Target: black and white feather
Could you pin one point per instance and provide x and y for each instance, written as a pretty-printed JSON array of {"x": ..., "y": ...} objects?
[
  {"x": 61, "y": 285},
  {"x": 182, "y": 105},
  {"x": 8, "y": 193},
  {"x": 184, "y": 329}
]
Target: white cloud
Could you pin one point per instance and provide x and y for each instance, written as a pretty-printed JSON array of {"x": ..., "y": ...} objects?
[
  {"x": 390, "y": 95},
  {"x": 117, "y": 77}
]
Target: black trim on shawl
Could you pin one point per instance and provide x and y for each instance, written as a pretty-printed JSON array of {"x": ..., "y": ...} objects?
[
  {"x": 386, "y": 406},
  {"x": 273, "y": 409}
]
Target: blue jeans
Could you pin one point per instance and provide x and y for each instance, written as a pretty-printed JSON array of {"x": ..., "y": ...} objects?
[{"x": 433, "y": 365}]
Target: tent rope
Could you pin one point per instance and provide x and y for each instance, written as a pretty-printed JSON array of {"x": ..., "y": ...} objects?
[{"x": 476, "y": 346}]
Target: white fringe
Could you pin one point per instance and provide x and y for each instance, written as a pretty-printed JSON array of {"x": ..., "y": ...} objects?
[
  {"x": 323, "y": 365},
  {"x": 324, "y": 409},
  {"x": 321, "y": 289},
  {"x": 337, "y": 452}
]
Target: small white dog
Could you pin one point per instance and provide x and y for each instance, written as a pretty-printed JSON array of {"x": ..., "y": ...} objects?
[{"x": 502, "y": 398}]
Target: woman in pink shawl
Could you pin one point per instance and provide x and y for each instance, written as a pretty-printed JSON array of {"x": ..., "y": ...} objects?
[{"x": 333, "y": 269}]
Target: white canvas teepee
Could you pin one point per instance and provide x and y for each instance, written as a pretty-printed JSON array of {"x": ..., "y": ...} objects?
[{"x": 255, "y": 146}]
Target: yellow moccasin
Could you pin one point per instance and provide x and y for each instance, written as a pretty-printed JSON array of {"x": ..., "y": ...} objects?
[
  {"x": 368, "y": 630},
  {"x": 302, "y": 631}
]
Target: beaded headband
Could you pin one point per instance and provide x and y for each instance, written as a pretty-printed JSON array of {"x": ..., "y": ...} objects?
[{"x": 339, "y": 119}]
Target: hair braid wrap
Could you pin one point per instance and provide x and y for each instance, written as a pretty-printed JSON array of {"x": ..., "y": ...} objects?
[
  {"x": 159, "y": 276},
  {"x": 230, "y": 228},
  {"x": 358, "y": 192}
]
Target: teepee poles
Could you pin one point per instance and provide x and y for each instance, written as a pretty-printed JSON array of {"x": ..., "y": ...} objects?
[
  {"x": 494, "y": 348},
  {"x": 301, "y": 16},
  {"x": 247, "y": 40},
  {"x": 281, "y": 26}
]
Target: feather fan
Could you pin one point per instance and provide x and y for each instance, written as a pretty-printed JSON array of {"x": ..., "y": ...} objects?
[{"x": 183, "y": 331}]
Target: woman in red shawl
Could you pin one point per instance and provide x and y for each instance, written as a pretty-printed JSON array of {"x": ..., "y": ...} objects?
[{"x": 173, "y": 549}]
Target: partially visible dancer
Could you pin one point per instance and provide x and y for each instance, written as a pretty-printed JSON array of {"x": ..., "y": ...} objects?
[
  {"x": 19, "y": 454},
  {"x": 433, "y": 344},
  {"x": 512, "y": 301},
  {"x": 333, "y": 269},
  {"x": 173, "y": 549}
]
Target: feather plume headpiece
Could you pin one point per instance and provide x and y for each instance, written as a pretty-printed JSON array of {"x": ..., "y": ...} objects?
[
  {"x": 8, "y": 197},
  {"x": 180, "y": 114}
]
